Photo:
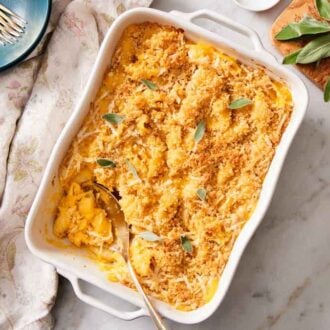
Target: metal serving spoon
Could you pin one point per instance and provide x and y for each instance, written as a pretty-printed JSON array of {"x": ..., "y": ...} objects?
[{"x": 122, "y": 242}]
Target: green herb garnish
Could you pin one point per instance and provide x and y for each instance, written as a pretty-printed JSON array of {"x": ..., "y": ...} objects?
[
  {"x": 149, "y": 84},
  {"x": 323, "y": 7},
  {"x": 239, "y": 103},
  {"x": 327, "y": 91},
  {"x": 307, "y": 26},
  {"x": 199, "y": 132},
  {"x": 113, "y": 118},
  {"x": 201, "y": 193},
  {"x": 315, "y": 50},
  {"x": 132, "y": 169},
  {"x": 149, "y": 236},
  {"x": 186, "y": 244},
  {"x": 291, "y": 58},
  {"x": 106, "y": 163}
]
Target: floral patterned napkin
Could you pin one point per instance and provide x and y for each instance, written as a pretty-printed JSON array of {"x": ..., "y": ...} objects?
[{"x": 37, "y": 98}]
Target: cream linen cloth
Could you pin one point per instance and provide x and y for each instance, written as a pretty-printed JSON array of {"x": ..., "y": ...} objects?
[{"x": 36, "y": 99}]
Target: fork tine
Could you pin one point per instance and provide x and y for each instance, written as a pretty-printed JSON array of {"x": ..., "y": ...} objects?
[
  {"x": 8, "y": 38},
  {"x": 5, "y": 33},
  {"x": 8, "y": 32},
  {"x": 5, "y": 38},
  {"x": 2, "y": 41},
  {"x": 5, "y": 20},
  {"x": 8, "y": 11},
  {"x": 19, "y": 21},
  {"x": 12, "y": 32}
]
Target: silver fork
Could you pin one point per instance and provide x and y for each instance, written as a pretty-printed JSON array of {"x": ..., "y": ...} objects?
[{"x": 12, "y": 26}]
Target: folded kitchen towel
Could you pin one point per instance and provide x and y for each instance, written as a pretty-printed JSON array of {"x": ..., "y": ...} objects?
[{"x": 36, "y": 99}]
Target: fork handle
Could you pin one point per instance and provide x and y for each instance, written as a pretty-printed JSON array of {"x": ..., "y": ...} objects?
[{"x": 154, "y": 315}]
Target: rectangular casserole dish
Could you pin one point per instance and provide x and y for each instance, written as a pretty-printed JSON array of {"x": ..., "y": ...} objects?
[{"x": 72, "y": 263}]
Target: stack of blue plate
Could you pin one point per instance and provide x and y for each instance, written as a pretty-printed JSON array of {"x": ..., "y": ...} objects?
[{"x": 36, "y": 13}]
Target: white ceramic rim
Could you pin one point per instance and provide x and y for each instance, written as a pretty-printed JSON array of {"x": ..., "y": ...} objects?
[
  {"x": 34, "y": 237},
  {"x": 268, "y": 5}
]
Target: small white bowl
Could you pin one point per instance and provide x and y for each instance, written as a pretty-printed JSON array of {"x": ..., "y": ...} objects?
[{"x": 256, "y": 5}]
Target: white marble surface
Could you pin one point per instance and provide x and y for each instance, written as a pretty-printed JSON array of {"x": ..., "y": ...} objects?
[{"x": 283, "y": 279}]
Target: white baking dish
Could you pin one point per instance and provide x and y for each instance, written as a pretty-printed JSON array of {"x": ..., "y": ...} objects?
[{"x": 72, "y": 263}]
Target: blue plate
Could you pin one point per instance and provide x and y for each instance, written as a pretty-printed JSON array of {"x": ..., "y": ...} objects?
[{"x": 36, "y": 13}]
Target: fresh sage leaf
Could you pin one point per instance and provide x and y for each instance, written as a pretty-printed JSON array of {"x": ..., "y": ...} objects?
[
  {"x": 291, "y": 58},
  {"x": 200, "y": 131},
  {"x": 239, "y": 103},
  {"x": 149, "y": 236},
  {"x": 186, "y": 244},
  {"x": 106, "y": 163},
  {"x": 327, "y": 91},
  {"x": 132, "y": 169},
  {"x": 307, "y": 26},
  {"x": 113, "y": 118},
  {"x": 149, "y": 84},
  {"x": 323, "y": 7},
  {"x": 315, "y": 50},
  {"x": 201, "y": 193}
]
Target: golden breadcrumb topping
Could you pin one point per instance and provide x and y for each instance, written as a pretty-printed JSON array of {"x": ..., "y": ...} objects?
[{"x": 187, "y": 140}]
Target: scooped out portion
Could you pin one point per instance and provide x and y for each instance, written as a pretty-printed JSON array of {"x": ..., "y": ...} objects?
[{"x": 81, "y": 219}]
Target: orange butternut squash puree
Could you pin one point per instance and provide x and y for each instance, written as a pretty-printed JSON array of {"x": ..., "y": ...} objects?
[{"x": 193, "y": 82}]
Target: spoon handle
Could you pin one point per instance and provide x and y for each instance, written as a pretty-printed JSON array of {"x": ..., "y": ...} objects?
[{"x": 154, "y": 315}]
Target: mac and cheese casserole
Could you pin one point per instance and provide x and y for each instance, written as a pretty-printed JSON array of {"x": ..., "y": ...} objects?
[{"x": 184, "y": 135}]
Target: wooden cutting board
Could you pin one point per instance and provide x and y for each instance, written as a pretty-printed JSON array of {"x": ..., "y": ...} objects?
[{"x": 294, "y": 13}]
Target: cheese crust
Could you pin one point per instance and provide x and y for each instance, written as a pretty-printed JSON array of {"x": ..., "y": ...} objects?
[{"x": 190, "y": 83}]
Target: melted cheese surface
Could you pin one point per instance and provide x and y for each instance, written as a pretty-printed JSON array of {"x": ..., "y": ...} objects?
[{"x": 193, "y": 82}]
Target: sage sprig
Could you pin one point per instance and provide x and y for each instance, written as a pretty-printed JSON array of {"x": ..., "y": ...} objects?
[
  {"x": 106, "y": 163},
  {"x": 186, "y": 244},
  {"x": 307, "y": 26},
  {"x": 327, "y": 91},
  {"x": 323, "y": 7},
  {"x": 291, "y": 58},
  {"x": 149, "y": 236},
  {"x": 149, "y": 84},
  {"x": 239, "y": 103},
  {"x": 132, "y": 169},
  {"x": 201, "y": 193},
  {"x": 199, "y": 132},
  {"x": 113, "y": 118},
  {"x": 315, "y": 50}
]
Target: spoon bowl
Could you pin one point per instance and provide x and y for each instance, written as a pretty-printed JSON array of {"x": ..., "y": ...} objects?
[{"x": 121, "y": 244}]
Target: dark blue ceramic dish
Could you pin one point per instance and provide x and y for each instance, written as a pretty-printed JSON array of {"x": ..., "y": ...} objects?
[{"x": 36, "y": 13}]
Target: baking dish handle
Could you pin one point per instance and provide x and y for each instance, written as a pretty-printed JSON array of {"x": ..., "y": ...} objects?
[
  {"x": 227, "y": 22},
  {"x": 124, "y": 315}
]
